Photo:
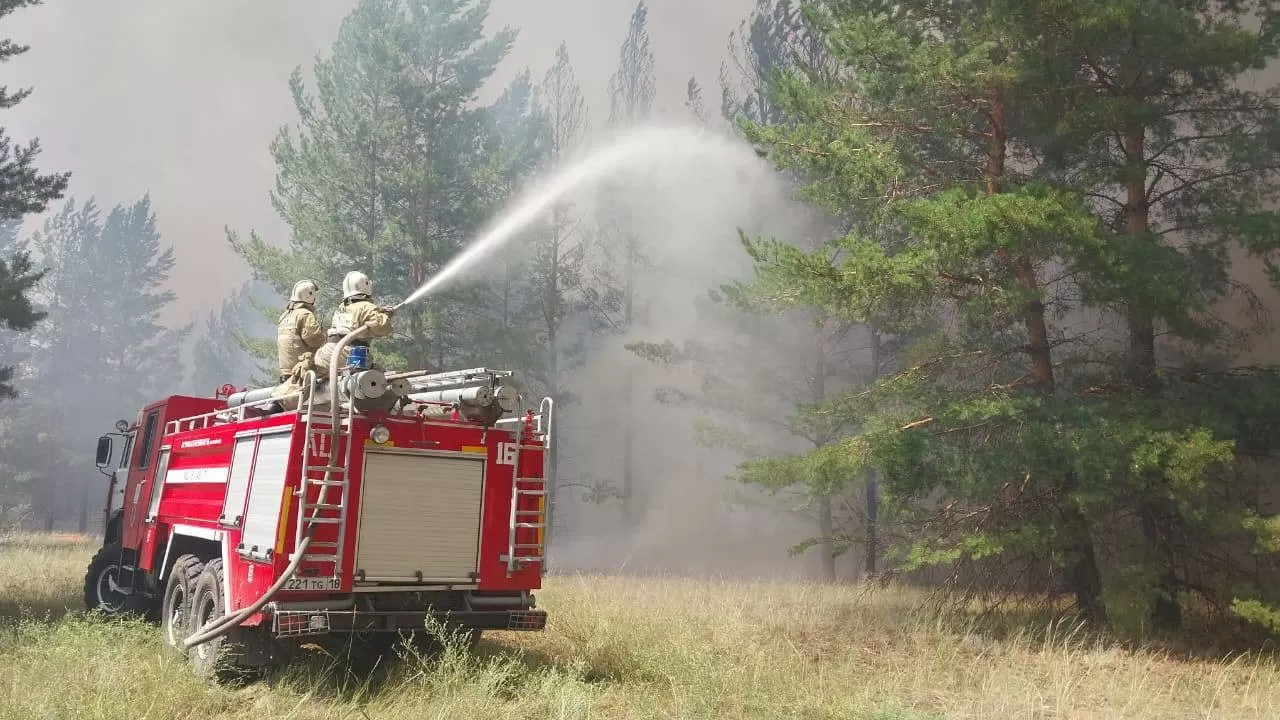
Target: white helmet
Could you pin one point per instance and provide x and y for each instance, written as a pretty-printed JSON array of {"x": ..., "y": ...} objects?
[
  {"x": 356, "y": 283},
  {"x": 304, "y": 291}
]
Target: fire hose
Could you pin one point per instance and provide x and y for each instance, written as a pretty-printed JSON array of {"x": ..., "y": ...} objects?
[{"x": 223, "y": 625}]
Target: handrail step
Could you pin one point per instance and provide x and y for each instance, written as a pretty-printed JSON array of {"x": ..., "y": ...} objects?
[{"x": 534, "y": 526}]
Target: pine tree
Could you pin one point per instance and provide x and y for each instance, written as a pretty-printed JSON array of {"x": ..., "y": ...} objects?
[
  {"x": 915, "y": 141},
  {"x": 23, "y": 190},
  {"x": 102, "y": 342},
  {"x": 631, "y": 92},
  {"x": 694, "y": 102},
  {"x": 558, "y": 259},
  {"x": 773, "y": 38},
  {"x": 389, "y": 172},
  {"x": 1154, "y": 123},
  {"x": 776, "y": 37},
  {"x": 223, "y": 352},
  {"x": 17, "y": 278}
]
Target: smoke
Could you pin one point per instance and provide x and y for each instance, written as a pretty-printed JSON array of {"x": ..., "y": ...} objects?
[
  {"x": 686, "y": 516},
  {"x": 183, "y": 99}
]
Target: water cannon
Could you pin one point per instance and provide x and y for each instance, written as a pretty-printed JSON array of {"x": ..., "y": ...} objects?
[
  {"x": 368, "y": 389},
  {"x": 478, "y": 394}
]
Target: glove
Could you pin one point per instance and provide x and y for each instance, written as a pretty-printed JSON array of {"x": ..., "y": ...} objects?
[{"x": 388, "y": 309}]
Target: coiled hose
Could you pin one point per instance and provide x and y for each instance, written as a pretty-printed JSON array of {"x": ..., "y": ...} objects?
[{"x": 223, "y": 625}]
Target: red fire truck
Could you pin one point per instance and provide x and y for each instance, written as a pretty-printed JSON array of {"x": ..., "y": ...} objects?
[{"x": 364, "y": 504}]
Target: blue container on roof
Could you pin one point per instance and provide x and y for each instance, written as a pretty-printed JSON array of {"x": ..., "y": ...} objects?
[{"x": 359, "y": 358}]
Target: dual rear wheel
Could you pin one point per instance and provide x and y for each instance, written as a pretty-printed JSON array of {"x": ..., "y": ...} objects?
[{"x": 194, "y": 597}]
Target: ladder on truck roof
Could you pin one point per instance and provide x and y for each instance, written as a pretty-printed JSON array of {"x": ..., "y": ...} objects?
[{"x": 323, "y": 479}]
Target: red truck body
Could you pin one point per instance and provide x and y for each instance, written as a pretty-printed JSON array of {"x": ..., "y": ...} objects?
[{"x": 412, "y": 515}]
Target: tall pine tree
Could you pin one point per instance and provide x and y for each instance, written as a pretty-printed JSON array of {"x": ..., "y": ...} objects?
[
  {"x": 23, "y": 190},
  {"x": 102, "y": 352},
  {"x": 916, "y": 140},
  {"x": 389, "y": 170},
  {"x": 224, "y": 352},
  {"x": 631, "y": 93},
  {"x": 557, "y": 263},
  {"x": 1157, "y": 123}
]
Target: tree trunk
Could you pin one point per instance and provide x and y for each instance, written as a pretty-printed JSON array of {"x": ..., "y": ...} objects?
[
  {"x": 826, "y": 526},
  {"x": 628, "y": 424},
  {"x": 873, "y": 500},
  {"x": 1084, "y": 576},
  {"x": 1159, "y": 517},
  {"x": 1084, "y": 579},
  {"x": 628, "y": 490},
  {"x": 826, "y": 521},
  {"x": 50, "y": 492}
]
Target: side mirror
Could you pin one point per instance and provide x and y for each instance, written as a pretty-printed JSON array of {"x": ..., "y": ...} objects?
[{"x": 104, "y": 452}]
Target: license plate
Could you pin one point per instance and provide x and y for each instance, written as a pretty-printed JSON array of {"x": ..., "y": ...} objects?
[{"x": 314, "y": 584}]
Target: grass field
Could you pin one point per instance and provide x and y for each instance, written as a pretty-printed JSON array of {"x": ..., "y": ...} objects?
[{"x": 624, "y": 648}]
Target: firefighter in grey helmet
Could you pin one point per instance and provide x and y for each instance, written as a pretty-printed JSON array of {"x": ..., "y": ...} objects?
[
  {"x": 359, "y": 309},
  {"x": 298, "y": 331}
]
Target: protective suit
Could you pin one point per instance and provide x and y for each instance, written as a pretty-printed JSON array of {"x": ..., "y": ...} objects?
[
  {"x": 359, "y": 309},
  {"x": 324, "y": 355},
  {"x": 298, "y": 331}
]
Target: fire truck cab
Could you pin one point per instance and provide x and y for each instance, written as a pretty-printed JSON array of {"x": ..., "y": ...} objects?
[{"x": 393, "y": 502}]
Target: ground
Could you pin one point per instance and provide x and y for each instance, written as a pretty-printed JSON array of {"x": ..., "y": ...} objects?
[{"x": 626, "y": 648}]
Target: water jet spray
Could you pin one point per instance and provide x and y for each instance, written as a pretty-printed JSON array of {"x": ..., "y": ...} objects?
[{"x": 646, "y": 146}]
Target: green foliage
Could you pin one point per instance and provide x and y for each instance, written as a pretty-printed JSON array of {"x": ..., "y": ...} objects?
[
  {"x": 393, "y": 168},
  {"x": 1265, "y": 616},
  {"x": 17, "y": 278},
  {"x": 983, "y": 165},
  {"x": 23, "y": 190}
]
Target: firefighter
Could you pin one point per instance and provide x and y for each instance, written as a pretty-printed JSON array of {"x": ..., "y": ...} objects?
[
  {"x": 298, "y": 332},
  {"x": 324, "y": 355},
  {"x": 359, "y": 309}
]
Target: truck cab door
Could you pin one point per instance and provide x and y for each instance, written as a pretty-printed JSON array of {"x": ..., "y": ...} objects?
[{"x": 141, "y": 480}]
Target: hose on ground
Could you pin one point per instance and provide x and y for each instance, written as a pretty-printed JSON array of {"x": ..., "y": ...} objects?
[{"x": 223, "y": 625}]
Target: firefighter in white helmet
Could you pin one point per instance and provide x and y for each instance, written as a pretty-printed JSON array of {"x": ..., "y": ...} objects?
[
  {"x": 359, "y": 309},
  {"x": 298, "y": 331}
]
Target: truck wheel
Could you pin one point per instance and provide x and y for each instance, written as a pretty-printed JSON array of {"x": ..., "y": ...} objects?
[
  {"x": 177, "y": 602},
  {"x": 102, "y": 574},
  {"x": 221, "y": 657}
]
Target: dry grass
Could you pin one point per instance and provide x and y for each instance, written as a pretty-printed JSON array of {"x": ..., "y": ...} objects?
[{"x": 626, "y": 648}]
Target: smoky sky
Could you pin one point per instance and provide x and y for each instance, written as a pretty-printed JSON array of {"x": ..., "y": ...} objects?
[{"x": 181, "y": 99}]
